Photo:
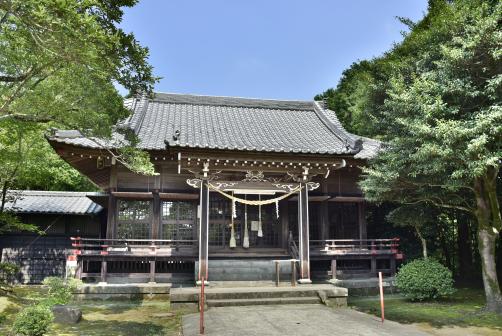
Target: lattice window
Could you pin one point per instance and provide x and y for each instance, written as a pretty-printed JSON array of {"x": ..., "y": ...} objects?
[
  {"x": 133, "y": 219},
  {"x": 178, "y": 220}
]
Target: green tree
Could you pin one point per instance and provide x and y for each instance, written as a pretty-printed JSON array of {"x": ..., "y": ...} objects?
[
  {"x": 442, "y": 127},
  {"x": 59, "y": 61},
  {"x": 59, "y": 64}
]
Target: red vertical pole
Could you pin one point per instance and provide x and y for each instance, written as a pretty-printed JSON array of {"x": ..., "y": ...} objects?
[
  {"x": 380, "y": 281},
  {"x": 201, "y": 308}
]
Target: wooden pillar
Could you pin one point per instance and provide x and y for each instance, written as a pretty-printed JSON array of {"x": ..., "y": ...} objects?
[
  {"x": 284, "y": 218},
  {"x": 203, "y": 231},
  {"x": 324, "y": 214},
  {"x": 303, "y": 228},
  {"x": 156, "y": 208},
  {"x": 111, "y": 222},
  {"x": 362, "y": 220}
]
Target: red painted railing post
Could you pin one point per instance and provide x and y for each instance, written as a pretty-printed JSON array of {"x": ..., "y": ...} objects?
[{"x": 201, "y": 307}]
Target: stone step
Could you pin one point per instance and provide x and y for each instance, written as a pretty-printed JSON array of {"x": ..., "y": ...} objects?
[
  {"x": 262, "y": 301},
  {"x": 191, "y": 294}
]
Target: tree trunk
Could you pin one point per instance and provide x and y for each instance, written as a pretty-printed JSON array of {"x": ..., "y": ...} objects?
[
  {"x": 489, "y": 222},
  {"x": 423, "y": 241}
]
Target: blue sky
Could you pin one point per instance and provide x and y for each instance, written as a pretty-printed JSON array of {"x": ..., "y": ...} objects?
[{"x": 279, "y": 49}]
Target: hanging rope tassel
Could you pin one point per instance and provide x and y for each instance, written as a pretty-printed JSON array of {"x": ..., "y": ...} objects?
[
  {"x": 260, "y": 231},
  {"x": 233, "y": 243},
  {"x": 245, "y": 243},
  {"x": 277, "y": 208}
]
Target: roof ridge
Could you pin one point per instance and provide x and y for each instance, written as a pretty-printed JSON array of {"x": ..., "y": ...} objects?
[
  {"x": 301, "y": 105},
  {"x": 232, "y": 97}
]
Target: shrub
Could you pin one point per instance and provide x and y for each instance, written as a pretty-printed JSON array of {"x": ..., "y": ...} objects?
[
  {"x": 424, "y": 279},
  {"x": 33, "y": 321},
  {"x": 8, "y": 272},
  {"x": 60, "y": 291}
]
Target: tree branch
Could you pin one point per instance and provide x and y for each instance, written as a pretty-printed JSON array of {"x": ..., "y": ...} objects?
[{"x": 26, "y": 117}]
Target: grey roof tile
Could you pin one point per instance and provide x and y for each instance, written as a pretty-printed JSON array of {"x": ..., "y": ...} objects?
[
  {"x": 237, "y": 124},
  {"x": 51, "y": 202}
]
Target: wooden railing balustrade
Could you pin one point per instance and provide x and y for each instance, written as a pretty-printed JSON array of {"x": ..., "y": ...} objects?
[
  {"x": 97, "y": 246},
  {"x": 356, "y": 246}
]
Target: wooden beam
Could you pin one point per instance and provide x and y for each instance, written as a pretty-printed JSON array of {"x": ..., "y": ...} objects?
[
  {"x": 321, "y": 198},
  {"x": 347, "y": 199},
  {"x": 133, "y": 194},
  {"x": 178, "y": 196}
]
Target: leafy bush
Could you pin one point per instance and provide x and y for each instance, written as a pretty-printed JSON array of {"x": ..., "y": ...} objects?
[
  {"x": 33, "y": 321},
  {"x": 7, "y": 272},
  {"x": 424, "y": 279},
  {"x": 60, "y": 291}
]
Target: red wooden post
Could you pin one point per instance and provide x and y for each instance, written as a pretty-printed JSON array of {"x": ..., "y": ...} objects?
[
  {"x": 201, "y": 307},
  {"x": 380, "y": 281}
]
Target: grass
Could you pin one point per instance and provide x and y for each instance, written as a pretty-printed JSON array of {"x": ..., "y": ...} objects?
[
  {"x": 121, "y": 318},
  {"x": 464, "y": 309}
]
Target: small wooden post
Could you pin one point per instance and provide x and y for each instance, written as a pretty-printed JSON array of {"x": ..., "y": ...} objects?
[
  {"x": 277, "y": 272},
  {"x": 393, "y": 265},
  {"x": 333, "y": 269},
  {"x": 293, "y": 272},
  {"x": 373, "y": 266},
  {"x": 380, "y": 282},
  {"x": 152, "y": 271},
  {"x": 104, "y": 269}
]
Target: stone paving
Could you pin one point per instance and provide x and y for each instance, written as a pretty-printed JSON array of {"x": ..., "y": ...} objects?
[{"x": 305, "y": 320}]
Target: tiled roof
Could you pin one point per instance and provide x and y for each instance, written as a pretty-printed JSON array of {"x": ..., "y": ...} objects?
[
  {"x": 51, "y": 202},
  {"x": 235, "y": 124}
]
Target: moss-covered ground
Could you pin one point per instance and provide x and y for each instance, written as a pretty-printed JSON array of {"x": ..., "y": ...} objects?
[
  {"x": 461, "y": 314},
  {"x": 100, "y": 318}
]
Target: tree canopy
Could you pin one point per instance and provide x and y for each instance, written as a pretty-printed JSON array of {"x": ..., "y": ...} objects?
[{"x": 60, "y": 65}]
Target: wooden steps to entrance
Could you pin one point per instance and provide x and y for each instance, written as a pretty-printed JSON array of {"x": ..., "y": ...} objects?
[{"x": 246, "y": 296}]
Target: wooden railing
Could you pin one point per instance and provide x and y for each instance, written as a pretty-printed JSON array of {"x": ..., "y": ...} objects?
[
  {"x": 356, "y": 246},
  {"x": 95, "y": 246}
]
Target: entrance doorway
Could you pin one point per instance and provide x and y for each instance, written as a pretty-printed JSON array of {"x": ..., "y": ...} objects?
[{"x": 220, "y": 211}]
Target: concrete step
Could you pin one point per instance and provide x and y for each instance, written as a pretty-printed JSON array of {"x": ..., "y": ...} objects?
[
  {"x": 220, "y": 296},
  {"x": 245, "y": 270},
  {"x": 262, "y": 301}
]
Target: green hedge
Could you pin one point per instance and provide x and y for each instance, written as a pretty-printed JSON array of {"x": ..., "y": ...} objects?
[{"x": 423, "y": 279}]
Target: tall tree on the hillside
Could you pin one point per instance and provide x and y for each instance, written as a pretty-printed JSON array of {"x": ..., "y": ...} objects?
[
  {"x": 443, "y": 129},
  {"x": 59, "y": 61}
]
